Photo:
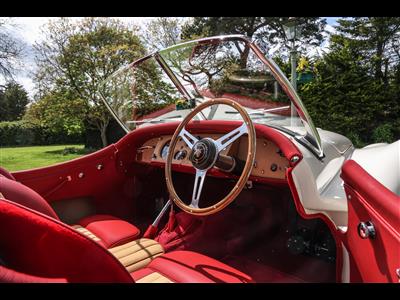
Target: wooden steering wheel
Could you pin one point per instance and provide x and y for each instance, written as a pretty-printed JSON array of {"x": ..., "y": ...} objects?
[{"x": 205, "y": 153}]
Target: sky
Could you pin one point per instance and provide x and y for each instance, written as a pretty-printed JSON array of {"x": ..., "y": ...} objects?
[{"x": 28, "y": 29}]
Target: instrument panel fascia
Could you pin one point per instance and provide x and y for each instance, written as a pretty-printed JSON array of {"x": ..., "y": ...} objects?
[{"x": 269, "y": 164}]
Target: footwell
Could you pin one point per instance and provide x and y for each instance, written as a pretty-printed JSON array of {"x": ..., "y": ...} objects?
[{"x": 252, "y": 236}]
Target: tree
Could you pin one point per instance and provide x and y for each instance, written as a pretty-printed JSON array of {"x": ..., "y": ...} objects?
[
  {"x": 13, "y": 102},
  {"x": 78, "y": 57},
  {"x": 11, "y": 49},
  {"x": 58, "y": 112},
  {"x": 265, "y": 31},
  {"x": 346, "y": 98},
  {"x": 162, "y": 32},
  {"x": 376, "y": 39}
]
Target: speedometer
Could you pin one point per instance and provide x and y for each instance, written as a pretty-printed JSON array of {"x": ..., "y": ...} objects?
[
  {"x": 180, "y": 155},
  {"x": 164, "y": 151}
]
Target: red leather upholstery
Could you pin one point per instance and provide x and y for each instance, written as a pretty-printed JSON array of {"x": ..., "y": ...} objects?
[
  {"x": 374, "y": 259},
  {"x": 6, "y": 174},
  {"x": 11, "y": 276},
  {"x": 112, "y": 231},
  {"x": 38, "y": 245},
  {"x": 192, "y": 267},
  {"x": 385, "y": 201},
  {"x": 23, "y": 195}
]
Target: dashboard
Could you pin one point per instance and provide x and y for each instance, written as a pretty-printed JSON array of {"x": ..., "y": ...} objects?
[{"x": 269, "y": 161}]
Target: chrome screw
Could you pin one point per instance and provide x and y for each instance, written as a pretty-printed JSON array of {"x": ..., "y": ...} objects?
[{"x": 294, "y": 159}]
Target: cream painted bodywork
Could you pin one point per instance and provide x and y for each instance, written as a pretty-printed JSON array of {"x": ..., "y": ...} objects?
[
  {"x": 345, "y": 265},
  {"x": 321, "y": 189},
  {"x": 318, "y": 182}
]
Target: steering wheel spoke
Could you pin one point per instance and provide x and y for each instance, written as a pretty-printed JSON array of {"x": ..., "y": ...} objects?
[
  {"x": 230, "y": 137},
  {"x": 189, "y": 139},
  {"x": 198, "y": 186}
]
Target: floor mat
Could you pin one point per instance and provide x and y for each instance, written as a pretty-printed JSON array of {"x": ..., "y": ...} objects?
[
  {"x": 259, "y": 272},
  {"x": 271, "y": 261}
]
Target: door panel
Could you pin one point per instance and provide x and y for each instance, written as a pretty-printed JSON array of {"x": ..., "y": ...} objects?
[
  {"x": 372, "y": 259},
  {"x": 100, "y": 178}
]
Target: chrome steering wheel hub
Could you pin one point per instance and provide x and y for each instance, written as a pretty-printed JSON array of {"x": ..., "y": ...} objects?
[{"x": 204, "y": 154}]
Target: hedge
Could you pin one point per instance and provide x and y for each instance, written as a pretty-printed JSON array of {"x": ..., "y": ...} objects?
[{"x": 22, "y": 133}]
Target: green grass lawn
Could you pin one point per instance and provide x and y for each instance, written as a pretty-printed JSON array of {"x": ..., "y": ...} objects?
[{"x": 22, "y": 158}]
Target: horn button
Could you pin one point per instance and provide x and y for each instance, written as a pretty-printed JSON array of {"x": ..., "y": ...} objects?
[{"x": 204, "y": 154}]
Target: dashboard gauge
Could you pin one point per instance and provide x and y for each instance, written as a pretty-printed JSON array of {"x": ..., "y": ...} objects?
[
  {"x": 180, "y": 155},
  {"x": 164, "y": 151}
]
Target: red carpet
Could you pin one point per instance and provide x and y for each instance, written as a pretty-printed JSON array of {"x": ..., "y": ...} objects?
[{"x": 259, "y": 272}]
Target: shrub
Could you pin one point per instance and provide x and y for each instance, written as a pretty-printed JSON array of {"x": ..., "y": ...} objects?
[
  {"x": 19, "y": 133},
  {"x": 23, "y": 133},
  {"x": 383, "y": 133}
]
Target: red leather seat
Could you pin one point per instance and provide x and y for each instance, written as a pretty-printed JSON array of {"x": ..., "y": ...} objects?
[
  {"x": 38, "y": 248},
  {"x": 111, "y": 230},
  {"x": 107, "y": 230},
  {"x": 189, "y": 267}
]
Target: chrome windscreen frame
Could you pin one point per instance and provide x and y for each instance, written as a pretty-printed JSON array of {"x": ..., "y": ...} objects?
[{"x": 275, "y": 70}]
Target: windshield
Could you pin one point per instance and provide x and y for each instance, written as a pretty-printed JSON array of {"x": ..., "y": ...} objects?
[{"x": 167, "y": 84}]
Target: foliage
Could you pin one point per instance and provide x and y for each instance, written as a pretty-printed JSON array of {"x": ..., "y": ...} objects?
[
  {"x": 162, "y": 32},
  {"x": 345, "y": 98},
  {"x": 383, "y": 133},
  {"x": 151, "y": 92},
  {"x": 23, "y": 133},
  {"x": 19, "y": 133},
  {"x": 58, "y": 112},
  {"x": 13, "y": 101},
  {"x": 265, "y": 31},
  {"x": 283, "y": 65},
  {"x": 77, "y": 57},
  {"x": 376, "y": 41}
]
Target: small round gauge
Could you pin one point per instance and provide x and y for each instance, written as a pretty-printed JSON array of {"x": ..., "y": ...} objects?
[
  {"x": 180, "y": 155},
  {"x": 164, "y": 151}
]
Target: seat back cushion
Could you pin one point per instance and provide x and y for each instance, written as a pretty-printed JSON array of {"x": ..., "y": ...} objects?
[
  {"x": 33, "y": 243},
  {"x": 19, "y": 193},
  {"x": 6, "y": 174}
]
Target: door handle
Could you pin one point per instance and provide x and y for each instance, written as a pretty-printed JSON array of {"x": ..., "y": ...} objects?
[{"x": 366, "y": 230}]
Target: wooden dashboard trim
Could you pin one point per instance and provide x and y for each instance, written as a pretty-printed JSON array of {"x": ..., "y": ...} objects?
[
  {"x": 267, "y": 154},
  {"x": 215, "y": 173}
]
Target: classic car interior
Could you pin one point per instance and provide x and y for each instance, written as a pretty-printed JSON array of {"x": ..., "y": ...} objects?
[
  {"x": 259, "y": 195},
  {"x": 119, "y": 190}
]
